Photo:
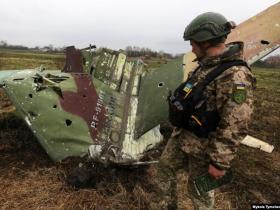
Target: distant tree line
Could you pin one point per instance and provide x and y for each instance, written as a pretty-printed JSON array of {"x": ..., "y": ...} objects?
[
  {"x": 5, "y": 45},
  {"x": 273, "y": 61},
  {"x": 145, "y": 52},
  {"x": 133, "y": 51},
  {"x": 270, "y": 62},
  {"x": 48, "y": 48},
  {"x": 130, "y": 51}
]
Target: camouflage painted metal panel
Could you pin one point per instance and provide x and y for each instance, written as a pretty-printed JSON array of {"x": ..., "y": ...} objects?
[
  {"x": 109, "y": 67},
  {"x": 123, "y": 147},
  {"x": 6, "y": 74},
  {"x": 56, "y": 110},
  {"x": 74, "y": 62},
  {"x": 68, "y": 112},
  {"x": 260, "y": 34},
  {"x": 155, "y": 85}
]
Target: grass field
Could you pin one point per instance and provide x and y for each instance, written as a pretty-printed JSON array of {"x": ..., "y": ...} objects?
[
  {"x": 29, "y": 180},
  {"x": 16, "y": 59}
]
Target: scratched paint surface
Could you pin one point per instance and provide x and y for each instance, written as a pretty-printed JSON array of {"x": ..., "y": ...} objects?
[
  {"x": 85, "y": 103},
  {"x": 152, "y": 107},
  {"x": 42, "y": 112},
  {"x": 260, "y": 34}
]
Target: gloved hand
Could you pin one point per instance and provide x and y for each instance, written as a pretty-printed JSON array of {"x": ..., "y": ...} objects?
[{"x": 215, "y": 173}]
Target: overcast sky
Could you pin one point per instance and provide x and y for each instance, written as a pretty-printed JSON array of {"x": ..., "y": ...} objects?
[{"x": 156, "y": 24}]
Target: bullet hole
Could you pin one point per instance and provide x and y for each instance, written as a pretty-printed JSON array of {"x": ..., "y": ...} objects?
[
  {"x": 92, "y": 69},
  {"x": 68, "y": 122},
  {"x": 54, "y": 106},
  {"x": 30, "y": 95},
  {"x": 161, "y": 84},
  {"x": 84, "y": 96},
  {"x": 32, "y": 114},
  {"x": 265, "y": 42}
]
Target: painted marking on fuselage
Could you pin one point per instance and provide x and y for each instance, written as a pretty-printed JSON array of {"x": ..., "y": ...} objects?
[{"x": 86, "y": 104}]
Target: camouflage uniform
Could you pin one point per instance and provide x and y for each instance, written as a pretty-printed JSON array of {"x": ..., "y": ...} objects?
[{"x": 220, "y": 147}]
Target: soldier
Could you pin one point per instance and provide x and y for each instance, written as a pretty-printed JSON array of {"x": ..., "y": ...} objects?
[{"x": 210, "y": 112}]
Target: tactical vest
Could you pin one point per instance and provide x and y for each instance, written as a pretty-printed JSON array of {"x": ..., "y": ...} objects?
[{"x": 187, "y": 106}]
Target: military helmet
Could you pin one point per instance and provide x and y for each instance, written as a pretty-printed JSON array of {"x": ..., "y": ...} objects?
[{"x": 208, "y": 26}]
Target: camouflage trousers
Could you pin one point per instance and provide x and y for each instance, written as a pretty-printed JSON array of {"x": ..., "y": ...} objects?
[{"x": 172, "y": 159}]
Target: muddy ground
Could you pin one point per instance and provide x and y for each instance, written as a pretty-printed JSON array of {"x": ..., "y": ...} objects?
[{"x": 29, "y": 180}]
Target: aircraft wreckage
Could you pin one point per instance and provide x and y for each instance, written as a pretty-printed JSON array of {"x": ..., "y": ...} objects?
[{"x": 110, "y": 105}]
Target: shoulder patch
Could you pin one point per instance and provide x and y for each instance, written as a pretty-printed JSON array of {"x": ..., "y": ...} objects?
[{"x": 239, "y": 93}]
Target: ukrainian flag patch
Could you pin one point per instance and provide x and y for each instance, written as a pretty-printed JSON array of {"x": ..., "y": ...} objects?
[{"x": 188, "y": 87}]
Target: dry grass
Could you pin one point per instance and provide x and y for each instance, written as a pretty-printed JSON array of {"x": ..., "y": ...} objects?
[{"x": 29, "y": 180}]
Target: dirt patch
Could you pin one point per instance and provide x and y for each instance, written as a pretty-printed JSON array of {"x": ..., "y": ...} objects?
[{"x": 30, "y": 180}]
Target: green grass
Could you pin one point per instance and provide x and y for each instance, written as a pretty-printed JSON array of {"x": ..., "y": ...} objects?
[
  {"x": 16, "y": 59},
  {"x": 154, "y": 63},
  {"x": 267, "y": 78}
]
